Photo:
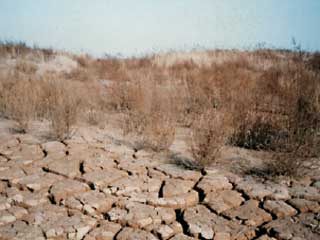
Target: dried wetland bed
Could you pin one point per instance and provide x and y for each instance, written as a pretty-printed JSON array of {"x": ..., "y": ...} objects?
[{"x": 205, "y": 145}]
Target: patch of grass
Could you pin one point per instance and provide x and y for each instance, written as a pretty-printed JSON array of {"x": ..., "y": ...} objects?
[
  {"x": 63, "y": 105},
  {"x": 18, "y": 100},
  {"x": 210, "y": 132},
  {"x": 148, "y": 116}
]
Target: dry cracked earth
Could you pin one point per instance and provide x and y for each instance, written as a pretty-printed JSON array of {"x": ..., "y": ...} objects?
[{"x": 91, "y": 189}]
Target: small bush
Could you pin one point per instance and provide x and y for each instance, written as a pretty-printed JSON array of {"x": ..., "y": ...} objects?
[
  {"x": 19, "y": 101},
  {"x": 148, "y": 116},
  {"x": 63, "y": 105},
  {"x": 301, "y": 141},
  {"x": 210, "y": 132},
  {"x": 120, "y": 95},
  {"x": 150, "y": 130},
  {"x": 256, "y": 133},
  {"x": 302, "y": 126}
]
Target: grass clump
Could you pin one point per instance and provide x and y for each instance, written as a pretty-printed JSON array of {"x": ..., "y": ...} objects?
[
  {"x": 60, "y": 105},
  {"x": 18, "y": 100},
  {"x": 148, "y": 117},
  {"x": 210, "y": 132}
]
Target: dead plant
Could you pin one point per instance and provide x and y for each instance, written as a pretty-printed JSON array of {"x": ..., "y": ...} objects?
[
  {"x": 210, "y": 132},
  {"x": 148, "y": 117}
]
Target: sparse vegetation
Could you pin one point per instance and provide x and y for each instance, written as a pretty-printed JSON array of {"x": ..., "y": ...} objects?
[
  {"x": 19, "y": 101},
  {"x": 262, "y": 100},
  {"x": 147, "y": 114},
  {"x": 63, "y": 107},
  {"x": 210, "y": 132}
]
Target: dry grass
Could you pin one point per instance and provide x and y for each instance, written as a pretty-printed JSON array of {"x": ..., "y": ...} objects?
[
  {"x": 62, "y": 106},
  {"x": 11, "y": 49},
  {"x": 210, "y": 132},
  {"x": 19, "y": 101},
  {"x": 148, "y": 116},
  {"x": 262, "y": 100},
  {"x": 300, "y": 139},
  {"x": 23, "y": 100},
  {"x": 26, "y": 67}
]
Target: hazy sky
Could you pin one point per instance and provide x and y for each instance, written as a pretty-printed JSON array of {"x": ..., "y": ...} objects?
[{"x": 140, "y": 26}]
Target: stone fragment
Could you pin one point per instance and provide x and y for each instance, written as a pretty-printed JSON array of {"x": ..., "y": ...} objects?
[
  {"x": 266, "y": 237},
  {"x": 286, "y": 228},
  {"x": 279, "y": 208},
  {"x": 134, "y": 234},
  {"x": 167, "y": 215},
  {"x": 65, "y": 167},
  {"x": 142, "y": 197},
  {"x": 81, "y": 231},
  {"x": 178, "y": 172},
  {"x": 17, "y": 211},
  {"x": 222, "y": 201},
  {"x": 91, "y": 202},
  {"x": 103, "y": 178},
  {"x": 118, "y": 215},
  {"x": 176, "y": 226},
  {"x": 67, "y": 187},
  {"x": 27, "y": 198},
  {"x": 106, "y": 231},
  {"x": 73, "y": 203},
  {"x": 134, "y": 166},
  {"x": 38, "y": 181},
  {"x": 308, "y": 193},
  {"x": 165, "y": 232},
  {"x": 181, "y": 236},
  {"x": 302, "y": 181},
  {"x": 119, "y": 151},
  {"x": 7, "y": 143},
  {"x": 3, "y": 186},
  {"x": 182, "y": 201},
  {"x": 4, "y": 203},
  {"x": 54, "y": 147},
  {"x": 250, "y": 213},
  {"x": 134, "y": 184},
  {"x": 316, "y": 184},
  {"x": 58, "y": 223},
  {"x": 12, "y": 174},
  {"x": 176, "y": 187},
  {"x": 305, "y": 205},
  {"x": 97, "y": 162},
  {"x": 6, "y": 217},
  {"x": 26, "y": 154},
  {"x": 141, "y": 215},
  {"x": 28, "y": 139},
  {"x": 214, "y": 184},
  {"x": 260, "y": 191},
  {"x": 21, "y": 230},
  {"x": 233, "y": 178},
  {"x": 43, "y": 213},
  {"x": 204, "y": 224},
  {"x": 3, "y": 159}
]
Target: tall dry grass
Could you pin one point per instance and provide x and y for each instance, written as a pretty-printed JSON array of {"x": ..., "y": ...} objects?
[
  {"x": 18, "y": 101},
  {"x": 148, "y": 116},
  {"x": 24, "y": 100}
]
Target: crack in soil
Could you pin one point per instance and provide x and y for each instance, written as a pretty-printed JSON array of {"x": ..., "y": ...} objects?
[
  {"x": 81, "y": 168},
  {"x": 180, "y": 219},
  {"x": 160, "y": 195}
]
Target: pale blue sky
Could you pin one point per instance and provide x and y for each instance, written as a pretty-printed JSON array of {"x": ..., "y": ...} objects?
[{"x": 141, "y": 26}]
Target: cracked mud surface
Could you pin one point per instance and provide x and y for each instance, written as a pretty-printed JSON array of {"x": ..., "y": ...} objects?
[{"x": 89, "y": 189}]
